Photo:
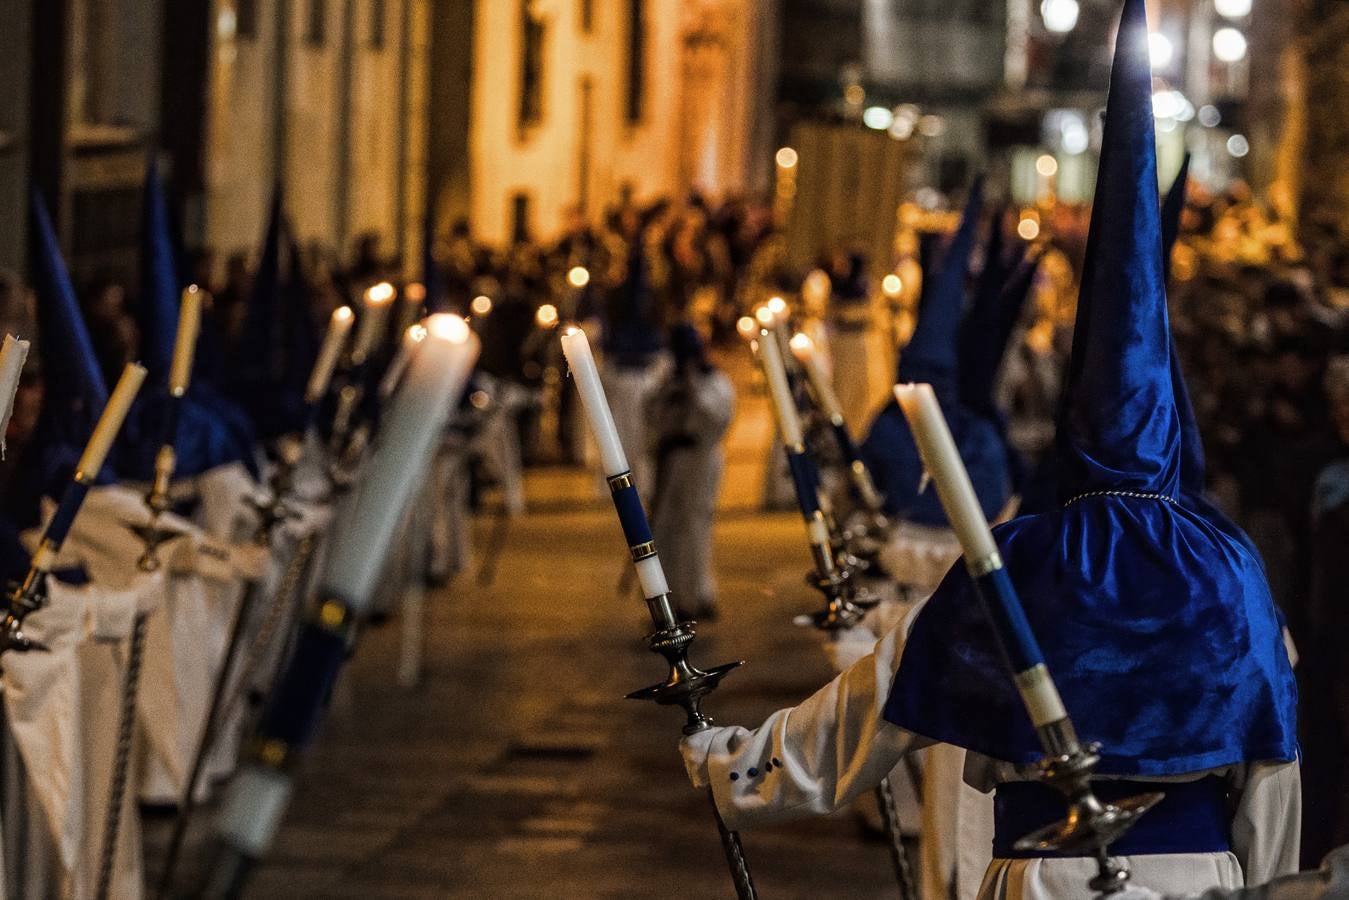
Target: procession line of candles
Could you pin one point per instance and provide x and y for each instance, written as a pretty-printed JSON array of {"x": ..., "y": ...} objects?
[
  {"x": 942, "y": 461},
  {"x": 614, "y": 462},
  {"x": 330, "y": 351}
]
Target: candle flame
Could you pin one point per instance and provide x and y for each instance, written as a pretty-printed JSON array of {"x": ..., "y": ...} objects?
[
  {"x": 481, "y": 305},
  {"x": 379, "y": 293},
  {"x": 777, "y": 305},
  {"x": 447, "y": 327},
  {"x": 801, "y": 344},
  {"x": 570, "y": 330},
  {"x": 192, "y": 289},
  {"x": 546, "y": 317},
  {"x": 578, "y": 277},
  {"x": 416, "y": 333},
  {"x": 746, "y": 327},
  {"x": 765, "y": 316},
  {"x": 343, "y": 313}
]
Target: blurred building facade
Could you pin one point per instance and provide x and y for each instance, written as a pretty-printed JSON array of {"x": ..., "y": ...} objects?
[
  {"x": 575, "y": 102},
  {"x": 325, "y": 97}
]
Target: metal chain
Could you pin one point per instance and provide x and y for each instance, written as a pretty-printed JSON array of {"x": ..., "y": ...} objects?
[
  {"x": 885, "y": 799},
  {"x": 1136, "y": 495},
  {"x": 735, "y": 857},
  {"x": 126, "y": 732},
  {"x": 290, "y": 583}
]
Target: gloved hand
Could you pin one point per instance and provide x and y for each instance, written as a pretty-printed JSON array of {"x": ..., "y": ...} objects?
[{"x": 695, "y": 749}]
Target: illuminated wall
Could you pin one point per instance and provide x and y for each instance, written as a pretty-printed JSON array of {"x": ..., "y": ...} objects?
[{"x": 569, "y": 102}]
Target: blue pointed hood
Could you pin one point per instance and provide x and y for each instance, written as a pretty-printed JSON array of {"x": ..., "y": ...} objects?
[
  {"x": 74, "y": 391},
  {"x": 269, "y": 361},
  {"x": 71, "y": 373},
  {"x": 1191, "y": 441},
  {"x": 930, "y": 355},
  {"x": 999, "y": 296},
  {"x": 159, "y": 278},
  {"x": 1118, "y": 429},
  {"x": 633, "y": 333},
  {"x": 1157, "y": 624}
]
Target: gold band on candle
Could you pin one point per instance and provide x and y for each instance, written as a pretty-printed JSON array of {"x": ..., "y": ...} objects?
[
  {"x": 620, "y": 482},
  {"x": 642, "y": 551}
]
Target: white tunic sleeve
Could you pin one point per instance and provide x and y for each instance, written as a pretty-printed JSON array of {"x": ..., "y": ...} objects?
[
  {"x": 1267, "y": 826},
  {"x": 816, "y": 757}
]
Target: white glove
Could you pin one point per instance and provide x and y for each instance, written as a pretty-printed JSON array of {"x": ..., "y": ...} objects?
[
  {"x": 695, "y": 749},
  {"x": 849, "y": 645}
]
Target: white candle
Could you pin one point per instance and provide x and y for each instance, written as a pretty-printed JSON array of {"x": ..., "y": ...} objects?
[
  {"x": 375, "y": 311},
  {"x": 784, "y": 406},
  {"x": 185, "y": 342},
  {"x": 413, "y": 336},
  {"x": 339, "y": 326},
  {"x": 803, "y": 348},
  {"x": 12, "y": 357},
  {"x": 367, "y": 519},
  {"x": 576, "y": 348},
  {"x": 110, "y": 423},
  {"x": 943, "y": 464}
]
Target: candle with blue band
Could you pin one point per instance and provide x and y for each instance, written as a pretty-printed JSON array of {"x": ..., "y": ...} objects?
[
  {"x": 803, "y": 348},
  {"x": 802, "y": 467},
  {"x": 942, "y": 461},
  {"x": 1068, "y": 764},
  {"x": 30, "y": 595},
  {"x": 614, "y": 462},
  {"x": 686, "y": 685},
  {"x": 363, "y": 530}
]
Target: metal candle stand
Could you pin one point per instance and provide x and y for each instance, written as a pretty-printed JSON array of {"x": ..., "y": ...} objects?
[
  {"x": 25, "y": 597},
  {"x": 686, "y": 685},
  {"x": 1089, "y": 824}
]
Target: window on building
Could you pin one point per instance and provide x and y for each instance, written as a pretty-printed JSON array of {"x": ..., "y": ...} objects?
[
  {"x": 531, "y": 65},
  {"x": 316, "y": 23},
  {"x": 520, "y": 210},
  {"x": 587, "y": 15},
  {"x": 635, "y": 103},
  {"x": 378, "y": 22},
  {"x": 246, "y": 19}
]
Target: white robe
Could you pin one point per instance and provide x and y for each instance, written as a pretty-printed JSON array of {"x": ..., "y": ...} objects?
[{"x": 837, "y": 744}]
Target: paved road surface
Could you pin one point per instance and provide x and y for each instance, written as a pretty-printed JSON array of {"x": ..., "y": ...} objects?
[{"x": 517, "y": 770}]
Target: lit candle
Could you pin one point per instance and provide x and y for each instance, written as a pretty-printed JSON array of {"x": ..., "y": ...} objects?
[
  {"x": 631, "y": 515},
  {"x": 784, "y": 406},
  {"x": 12, "y": 357},
  {"x": 339, "y": 326},
  {"x": 413, "y": 336},
  {"x": 373, "y": 316},
  {"x": 576, "y": 348},
  {"x": 185, "y": 342},
  {"x": 367, "y": 520},
  {"x": 109, "y": 423},
  {"x": 943, "y": 464},
  {"x": 803, "y": 348}
]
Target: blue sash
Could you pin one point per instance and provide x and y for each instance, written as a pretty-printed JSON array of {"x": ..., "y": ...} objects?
[{"x": 1194, "y": 817}]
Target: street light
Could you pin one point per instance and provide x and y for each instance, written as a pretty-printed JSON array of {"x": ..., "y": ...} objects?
[
  {"x": 1060, "y": 16},
  {"x": 1229, "y": 45}
]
